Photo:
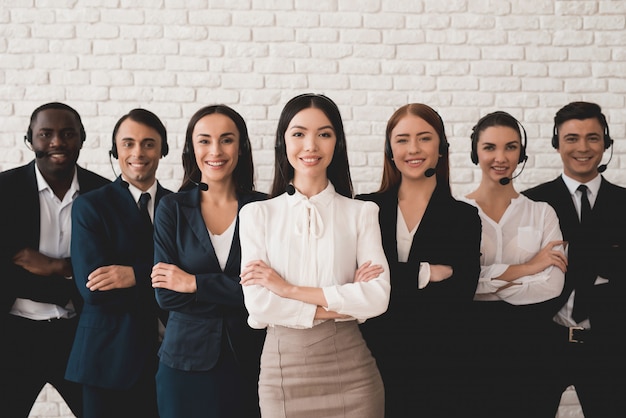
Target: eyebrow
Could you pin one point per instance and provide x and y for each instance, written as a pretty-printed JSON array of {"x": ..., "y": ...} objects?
[
  {"x": 224, "y": 134},
  {"x": 319, "y": 129}
]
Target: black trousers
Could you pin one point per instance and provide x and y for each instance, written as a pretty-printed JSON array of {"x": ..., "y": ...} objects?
[
  {"x": 596, "y": 367},
  {"x": 137, "y": 401},
  {"x": 36, "y": 353}
]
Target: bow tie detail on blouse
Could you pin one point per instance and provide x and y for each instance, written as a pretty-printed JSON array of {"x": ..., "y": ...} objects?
[{"x": 309, "y": 222}]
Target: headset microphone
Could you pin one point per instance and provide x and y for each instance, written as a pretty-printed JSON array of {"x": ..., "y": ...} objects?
[
  {"x": 290, "y": 189},
  {"x": 202, "y": 186},
  {"x": 430, "y": 172},
  {"x": 602, "y": 167},
  {"x": 506, "y": 180}
]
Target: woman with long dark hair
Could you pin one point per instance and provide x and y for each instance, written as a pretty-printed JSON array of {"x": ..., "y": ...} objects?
[
  {"x": 300, "y": 253},
  {"x": 209, "y": 358}
]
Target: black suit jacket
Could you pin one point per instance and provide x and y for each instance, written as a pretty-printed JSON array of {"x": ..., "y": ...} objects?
[
  {"x": 117, "y": 335},
  {"x": 20, "y": 228},
  {"x": 449, "y": 234},
  {"x": 202, "y": 324},
  {"x": 598, "y": 249}
]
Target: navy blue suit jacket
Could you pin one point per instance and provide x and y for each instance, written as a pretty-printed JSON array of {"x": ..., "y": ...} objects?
[
  {"x": 201, "y": 324},
  {"x": 599, "y": 250},
  {"x": 20, "y": 226},
  {"x": 117, "y": 331}
]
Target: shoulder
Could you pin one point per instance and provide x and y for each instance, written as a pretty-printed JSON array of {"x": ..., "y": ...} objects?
[
  {"x": 613, "y": 188},
  {"x": 251, "y": 196},
  {"x": 89, "y": 180},
  {"x": 16, "y": 174},
  {"x": 355, "y": 206},
  {"x": 541, "y": 190},
  {"x": 257, "y": 207}
]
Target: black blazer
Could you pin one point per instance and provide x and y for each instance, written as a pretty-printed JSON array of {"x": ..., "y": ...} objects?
[
  {"x": 201, "y": 324},
  {"x": 450, "y": 234},
  {"x": 117, "y": 335},
  {"x": 20, "y": 228},
  {"x": 597, "y": 250}
]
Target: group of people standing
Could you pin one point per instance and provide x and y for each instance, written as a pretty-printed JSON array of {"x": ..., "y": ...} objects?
[{"x": 221, "y": 301}]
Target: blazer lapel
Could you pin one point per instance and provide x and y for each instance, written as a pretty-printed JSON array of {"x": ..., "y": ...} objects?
[{"x": 193, "y": 214}]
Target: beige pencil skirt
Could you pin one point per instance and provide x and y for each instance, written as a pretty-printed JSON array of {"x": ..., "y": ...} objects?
[{"x": 326, "y": 371}]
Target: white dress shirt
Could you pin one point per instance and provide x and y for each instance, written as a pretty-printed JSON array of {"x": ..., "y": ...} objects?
[
  {"x": 524, "y": 229},
  {"x": 316, "y": 242},
  {"x": 55, "y": 222}
]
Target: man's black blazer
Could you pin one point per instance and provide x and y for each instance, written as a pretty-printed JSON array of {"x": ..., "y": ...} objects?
[{"x": 20, "y": 228}]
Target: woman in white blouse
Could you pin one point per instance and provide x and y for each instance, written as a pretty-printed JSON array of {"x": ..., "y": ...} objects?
[
  {"x": 522, "y": 264},
  {"x": 313, "y": 267}
]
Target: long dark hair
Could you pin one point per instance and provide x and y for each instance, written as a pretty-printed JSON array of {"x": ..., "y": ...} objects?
[
  {"x": 391, "y": 175},
  {"x": 338, "y": 172},
  {"x": 243, "y": 174}
]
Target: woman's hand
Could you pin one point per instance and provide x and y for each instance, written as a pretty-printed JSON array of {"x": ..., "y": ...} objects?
[
  {"x": 257, "y": 272},
  {"x": 547, "y": 257},
  {"x": 172, "y": 277},
  {"x": 440, "y": 272},
  {"x": 367, "y": 272}
]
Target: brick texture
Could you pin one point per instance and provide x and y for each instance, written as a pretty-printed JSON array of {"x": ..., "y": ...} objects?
[{"x": 465, "y": 58}]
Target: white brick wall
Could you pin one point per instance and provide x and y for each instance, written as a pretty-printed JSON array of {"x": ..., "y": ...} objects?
[{"x": 463, "y": 57}]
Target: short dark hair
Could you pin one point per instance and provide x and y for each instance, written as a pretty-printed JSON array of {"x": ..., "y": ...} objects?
[
  {"x": 580, "y": 111},
  {"x": 58, "y": 106},
  {"x": 391, "y": 175},
  {"x": 145, "y": 117},
  {"x": 243, "y": 174},
  {"x": 338, "y": 171}
]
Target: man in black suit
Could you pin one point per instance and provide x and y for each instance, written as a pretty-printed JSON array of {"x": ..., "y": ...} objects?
[
  {"x": 115, "y": 350},
  {"x": 39, "y": 299},
  {"x": 586, "y": 346}
]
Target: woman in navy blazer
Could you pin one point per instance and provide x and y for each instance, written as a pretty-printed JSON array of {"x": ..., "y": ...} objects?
[{"x": 209, "y": 358}]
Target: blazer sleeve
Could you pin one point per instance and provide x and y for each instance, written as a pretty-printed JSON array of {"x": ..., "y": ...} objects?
[
  {"x": 216, "y": 290},
  {"x": 91, "y": 249}
]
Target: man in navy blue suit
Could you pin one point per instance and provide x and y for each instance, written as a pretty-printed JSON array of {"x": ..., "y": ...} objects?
[
  {"x": 39, "y": 301},
  {"x": 585, "y": 344},
  {"x": 114, "y": 355}
]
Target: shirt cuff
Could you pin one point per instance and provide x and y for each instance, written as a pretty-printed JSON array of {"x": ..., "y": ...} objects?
[{"x": 423, "y": 277}]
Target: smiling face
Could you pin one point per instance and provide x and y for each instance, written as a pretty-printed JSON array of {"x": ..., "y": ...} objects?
[
  {"x": 216, "y": 147},
  {"x": 498, "y": 150},
  {"x": 414, "y": 147},
  {"x": 139, "y": 150},
  {"x": 581, "y": 146},
  {"x": 56, "y": 137},
  {"x": 310, "y": 141}
]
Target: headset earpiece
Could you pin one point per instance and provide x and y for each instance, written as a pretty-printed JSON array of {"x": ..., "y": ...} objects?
[{"x": 479, "y": 126}]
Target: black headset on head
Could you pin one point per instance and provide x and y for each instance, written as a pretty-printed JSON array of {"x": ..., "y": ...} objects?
[
  {"x": 607, "y": 137},
  {"x": 144, "y": 117},
  {"x": 480, "y": 126},
  {"x": 55, "y": 106},
  {"x": 443, "y": 140}
]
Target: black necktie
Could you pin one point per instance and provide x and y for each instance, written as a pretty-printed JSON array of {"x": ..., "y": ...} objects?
[
  {"x": 585, "y": 207},
  {"x": 581, "y": 310},
  {"x": 143, "y": 208}
]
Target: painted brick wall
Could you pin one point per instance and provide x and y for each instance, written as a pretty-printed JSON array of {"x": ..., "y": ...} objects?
[{"x": 463, "y": 57}]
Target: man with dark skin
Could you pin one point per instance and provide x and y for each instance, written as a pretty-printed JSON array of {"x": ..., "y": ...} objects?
[{"x": 39, "y": 301}]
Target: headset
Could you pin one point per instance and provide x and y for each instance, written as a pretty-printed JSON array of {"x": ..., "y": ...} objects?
[
  {"x": 608, "y": 141},
  {"x": 164, "y": 148},
  {"x": 443, "y": 141},
  {"x": 480, "y": 125}
]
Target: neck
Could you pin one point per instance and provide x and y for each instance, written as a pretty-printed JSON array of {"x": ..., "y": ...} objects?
[
  {"x": 493, "y": 191},
  {"x": 219, "y": 191},
  {"x": 419, "y": 189},
  {"x": 310, "y": 186}
]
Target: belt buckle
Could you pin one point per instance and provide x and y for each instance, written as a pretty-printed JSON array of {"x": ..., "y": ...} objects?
[{"x": 571, "y": 338}]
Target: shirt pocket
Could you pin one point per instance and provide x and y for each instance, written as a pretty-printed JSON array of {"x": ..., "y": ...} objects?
[{"x": 529, "y": 238}]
